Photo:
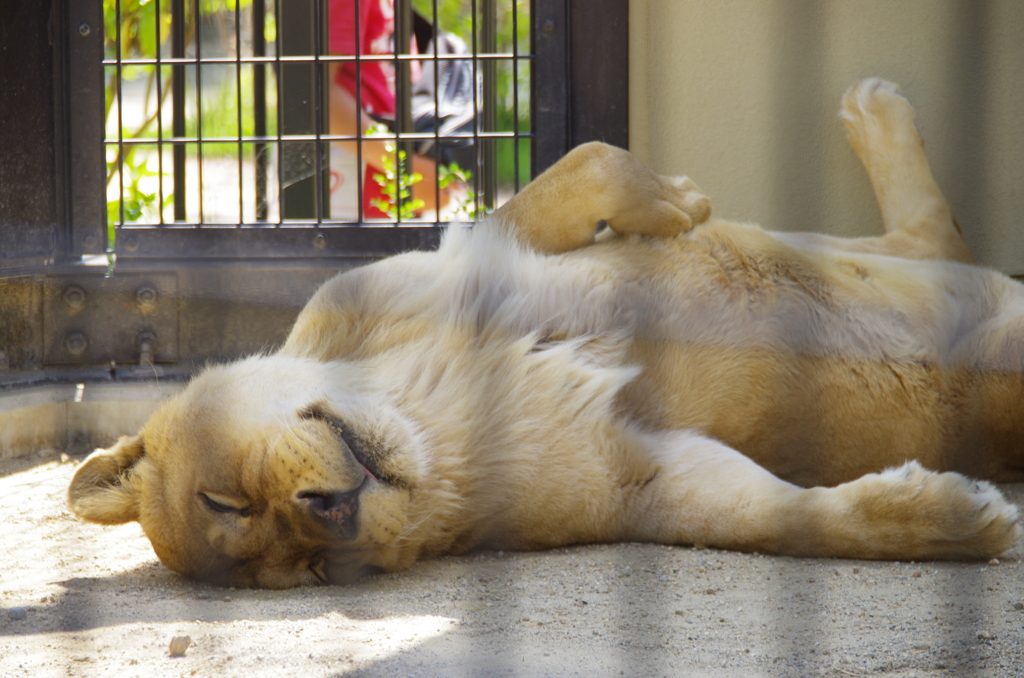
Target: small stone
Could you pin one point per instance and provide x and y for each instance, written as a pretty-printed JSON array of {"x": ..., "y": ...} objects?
[
  {"x": 683, "y": 614},
  {"x": 203, "y": 595},
  {"x": 1018, "y": 606},
  {"x": 179, "y": 645},
  {"x": 856, "y": 570},
  {"x": 17, "y": 613},
  {"x": 985, "y": 635},
  {"x": 710, "y": 592},
  {"x": 917, "y": 573},
  {"x": 227, "y": 599},
  {"x": 994, "y": 562}
]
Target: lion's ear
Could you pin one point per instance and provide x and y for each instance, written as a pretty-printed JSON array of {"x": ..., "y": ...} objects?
[{"x": 102, "y": 491}]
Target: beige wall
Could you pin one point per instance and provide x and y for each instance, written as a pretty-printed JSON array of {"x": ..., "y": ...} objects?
[{"x": 742, "y": 95}]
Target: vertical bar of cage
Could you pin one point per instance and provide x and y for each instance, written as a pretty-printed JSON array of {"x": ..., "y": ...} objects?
[
  {"x": 402, "y": 14},
  {"x": 476, "y": 113},
  {"x": 360, "y": 174},
  {"x": 259, "y": 112},
  {"x": 238, "y": 109},
  {"x": 533, "y": 87},
  {"x": 437, "y": 112},
  {"x": 198, "y": 21},
  {"x": 278, "y": 68},
  {"x": 318, "y": 207},
  {"x": 489, "y": 148},
  {"x": 397, "y": 12},
  {"x": 120, "y": 121},
  {"x": 178, "y": 106},
  {"x": 515, "y": 96},
  {"x": 159, "y": 121}
]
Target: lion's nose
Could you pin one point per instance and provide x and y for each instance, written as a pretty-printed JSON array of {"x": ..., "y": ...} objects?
[{"x": 337, "y": 507}]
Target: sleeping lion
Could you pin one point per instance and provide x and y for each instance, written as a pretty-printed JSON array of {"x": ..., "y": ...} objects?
[{"x": 675, "y": 379}]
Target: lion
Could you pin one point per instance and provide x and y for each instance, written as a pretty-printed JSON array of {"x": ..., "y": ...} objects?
[{"x": 675, "y": 379}]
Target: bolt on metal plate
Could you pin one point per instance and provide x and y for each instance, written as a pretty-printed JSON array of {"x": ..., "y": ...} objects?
[{"x": 94, "y": 319}]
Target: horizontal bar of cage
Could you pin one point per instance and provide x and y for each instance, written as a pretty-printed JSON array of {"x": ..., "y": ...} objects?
[
  {"x": 407, "y": 136},
  {"x": 343, "y": 58},
  {"x": 291, "y": 240},
  {"x": 184, "y": 225}
]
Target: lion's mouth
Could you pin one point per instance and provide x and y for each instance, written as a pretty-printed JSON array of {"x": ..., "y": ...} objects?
[{"x": 351, "y": 440}]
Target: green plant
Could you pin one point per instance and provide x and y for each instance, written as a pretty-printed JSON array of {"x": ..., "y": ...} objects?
[
  {"x": 136, "y": 201},
  {"x": 448, "y": 174},
  {"x": 396, "y": 185}
]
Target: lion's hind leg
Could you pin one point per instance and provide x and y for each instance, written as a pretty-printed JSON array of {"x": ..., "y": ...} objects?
[
  {"x": 918, "y": 221},
  {"x": 707, "y": 493}
]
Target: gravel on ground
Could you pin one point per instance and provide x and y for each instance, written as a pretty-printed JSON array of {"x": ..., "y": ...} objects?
[{"x": 85, "y": 600}]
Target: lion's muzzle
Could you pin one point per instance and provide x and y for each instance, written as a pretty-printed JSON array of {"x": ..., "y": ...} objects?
[{"x": 339, "y": 508}]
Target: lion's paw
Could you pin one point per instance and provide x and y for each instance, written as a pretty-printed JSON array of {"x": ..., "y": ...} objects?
[
  {"x": 937, "y": 515},
  {"x": 877, "y": 118},
  {"x": 687, "y": 196},
  {"x": 665, "y": 207},
  {"x": 974, "y": 515}
]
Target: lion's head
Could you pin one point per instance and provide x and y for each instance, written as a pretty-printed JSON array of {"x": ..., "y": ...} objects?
[{"x": 266, "y": 473}]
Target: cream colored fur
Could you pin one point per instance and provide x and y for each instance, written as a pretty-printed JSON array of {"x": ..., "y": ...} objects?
[{"x": 677, "y": 380}]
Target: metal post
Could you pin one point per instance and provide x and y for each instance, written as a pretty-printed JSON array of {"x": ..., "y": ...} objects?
[
  {"x": 299, "y": 92},
  {"x": 599, "y": 78},
  {"x": 580, "y": 94},
  {"x": 549, "y": 82}
]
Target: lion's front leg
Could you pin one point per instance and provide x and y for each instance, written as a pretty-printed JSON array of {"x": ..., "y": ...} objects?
[
  {"x": 707, "y": 493},
  {"x": 596, "y": 183}
]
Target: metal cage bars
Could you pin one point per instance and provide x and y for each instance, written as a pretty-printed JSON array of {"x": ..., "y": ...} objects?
[
  {"x": 576, "y": 94},
  {"x": 290, "y": 57}
]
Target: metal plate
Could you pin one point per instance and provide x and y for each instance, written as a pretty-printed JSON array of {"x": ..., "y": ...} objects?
[{"x": 93, "y": 319}]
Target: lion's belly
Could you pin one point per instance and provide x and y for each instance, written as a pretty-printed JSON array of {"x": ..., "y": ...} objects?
[
  {"x": 821, "y": 366},
  {"x": 823, "y": 421}
]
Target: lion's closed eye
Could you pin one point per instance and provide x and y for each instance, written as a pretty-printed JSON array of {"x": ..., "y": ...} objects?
[{"x": 221, "y": 504}]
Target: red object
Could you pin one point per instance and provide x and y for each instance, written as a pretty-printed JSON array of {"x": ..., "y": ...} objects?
[{"x": 376, "y": 26}]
